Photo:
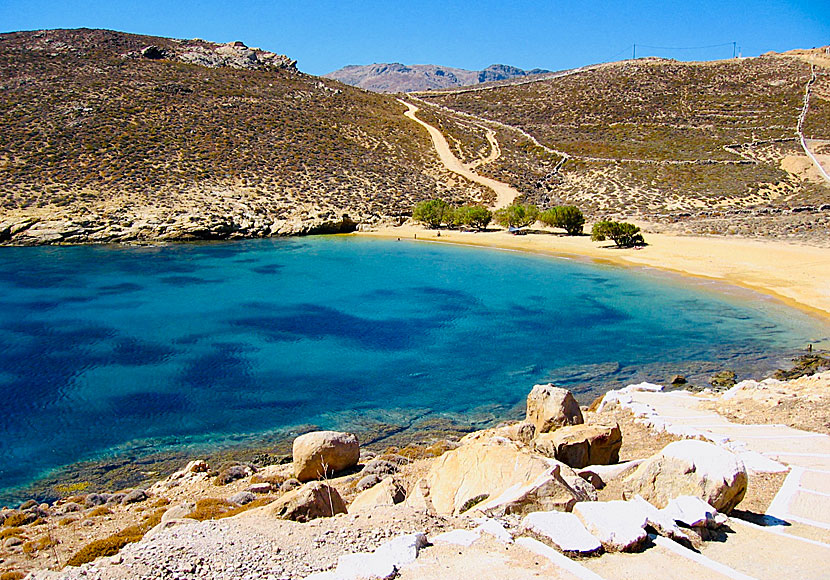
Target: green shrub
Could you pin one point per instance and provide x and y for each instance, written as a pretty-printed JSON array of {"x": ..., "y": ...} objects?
[
  {"x": 623, "y": 234},
  {"x": 516, "y": 215},
  {"x": 567, "y": 217},
  {"x": 432, "y": 213},
  {"x": 475, "y": 216}
]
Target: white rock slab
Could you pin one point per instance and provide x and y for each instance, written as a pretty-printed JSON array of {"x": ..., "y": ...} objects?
[
  {"x": 564, "y": 530},
  {"x": 495, "y": 529},
  {"x": 457, "y": 537},
  {"x": 381, "y": 564},
  {"x": 694, "y": 512},
  {"x": 662, "y": 523},
  {"x": 619, "y": 525}
]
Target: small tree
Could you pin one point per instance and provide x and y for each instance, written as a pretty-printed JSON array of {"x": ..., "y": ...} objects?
[
  {"x": 516, "y": 215},
  {"x": 475, "y": 216},
  {"x": 567, "y": 217},
  {"x": 432, "y": 213},
  {"x": 624, "y": 234}
]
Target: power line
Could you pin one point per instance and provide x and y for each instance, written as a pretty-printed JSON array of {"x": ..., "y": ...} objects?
[{"x": 688, "y": 47}]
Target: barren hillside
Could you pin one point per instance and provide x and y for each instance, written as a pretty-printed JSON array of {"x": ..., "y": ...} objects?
[{"x": 108, "y": 136}]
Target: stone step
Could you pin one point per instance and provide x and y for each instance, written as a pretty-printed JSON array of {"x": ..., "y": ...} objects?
[{"x": 764, "y": 554}]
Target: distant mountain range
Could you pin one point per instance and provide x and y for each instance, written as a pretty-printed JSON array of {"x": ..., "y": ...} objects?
[{"x": 400, "y": 78}]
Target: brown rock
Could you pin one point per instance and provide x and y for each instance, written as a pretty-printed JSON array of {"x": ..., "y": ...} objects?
[
  {"x": 581, "y": 445},
  {"x": 322, "y": 453},
  {"x": 313, "y": 500},
  {"x": 550, "y": 407}
]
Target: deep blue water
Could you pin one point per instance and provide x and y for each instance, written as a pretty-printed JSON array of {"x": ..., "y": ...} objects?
[{"x": 104, "y": 349}]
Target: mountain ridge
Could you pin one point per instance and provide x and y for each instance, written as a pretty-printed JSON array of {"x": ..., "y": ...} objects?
[{"x": 395, "y": 77}]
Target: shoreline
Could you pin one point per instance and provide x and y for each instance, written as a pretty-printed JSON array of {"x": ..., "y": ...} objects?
[{"x": 794, "y": 274}]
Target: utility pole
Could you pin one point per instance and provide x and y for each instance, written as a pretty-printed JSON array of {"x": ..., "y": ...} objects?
[
  {"x": 734, "y": 49},
  {"x": 634, "y": 54}
]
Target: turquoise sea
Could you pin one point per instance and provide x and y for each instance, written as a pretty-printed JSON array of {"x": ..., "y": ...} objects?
[{"x": 109, "y": 349}]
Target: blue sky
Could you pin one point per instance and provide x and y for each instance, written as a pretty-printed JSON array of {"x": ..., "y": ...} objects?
[{"x": 325, "y": 35}]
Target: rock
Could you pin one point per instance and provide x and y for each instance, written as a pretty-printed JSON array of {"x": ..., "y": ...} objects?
[
  {"x": 68, "y": 508},
  {"x": 197, "y": 466},
  {"x": 233, "y": 473},
  {"x": 619, "y": 525},
  {"x": 242, "y": 498},
  {"x": 379, "y": 467},
  {"x": 367, "y": 482},
  {"x": 178, "y": 512},
  {"x": 581, "y": 445},
  {"x": 387, "y": 492},
  {"x": 96, "y": 499},
  {"x": 522, "y": 432},
  {"x": 457, "y": 537},
  {"x": 677, "y": 380},
  {"x": 290, "y": 484},
  {"x": 383, "y": 563},
  {"x": 563, "y": 530},
  {"x": 313, "y": 500},
  {"x": 263, "y": 487},
  {"x": 693, "y": 512},
  {"x": 12, "y": 542},
  {"x": 322, "y": 453},
  {"x": 494, "y": 467},
  {"x": 723, "y": 380},
  {"x": 690, "y": 467},
  {"x": 495, "y": 529},
  {"x": 154, "y": 53},
  {"x": 134, "y": 496},
  {"x": 550, "y": 407},
  {"x": 662, "y": 522}
]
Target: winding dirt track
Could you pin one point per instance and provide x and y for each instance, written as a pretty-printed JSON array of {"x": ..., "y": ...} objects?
[{"x": 504, "y": 193}]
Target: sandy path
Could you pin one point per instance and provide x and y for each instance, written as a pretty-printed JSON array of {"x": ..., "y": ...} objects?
[
  {"x": 796, "y": 274},
  {"x": 504, "y": 193},
  {"x": 495, "y": 150}
]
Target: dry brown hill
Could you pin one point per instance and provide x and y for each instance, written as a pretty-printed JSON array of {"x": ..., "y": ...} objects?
[
  {"x": 713, "y": 143},
  {"x": 112, "y": 136}
]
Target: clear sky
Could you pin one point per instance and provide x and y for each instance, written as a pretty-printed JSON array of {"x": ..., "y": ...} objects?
[{"x": 324, "y": 35}]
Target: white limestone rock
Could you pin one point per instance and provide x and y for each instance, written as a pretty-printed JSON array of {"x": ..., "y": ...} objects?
[
  {"x": 618, "y": 525},
  {"x": 564, "y": 530},
  {"x": 549, "y": 407},
  {"x": 693, "y": 512}
]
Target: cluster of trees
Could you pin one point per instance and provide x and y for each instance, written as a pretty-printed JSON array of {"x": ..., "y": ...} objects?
[{"x": 437, "y": 212}]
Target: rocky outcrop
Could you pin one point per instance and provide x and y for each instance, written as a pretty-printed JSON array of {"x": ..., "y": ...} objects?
[
  {"x": 581, "y": 445},
  {"x": 498, "y": 476},
  {"x": 690, "y": 467},
  {"x": 313, "y": 500},
  {"x": 321, "y": 453},
  {"x": 550, "y": 407},
  {"x": 233, "y": 55}
]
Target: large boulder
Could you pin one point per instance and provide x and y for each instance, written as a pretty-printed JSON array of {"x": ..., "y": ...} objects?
[
  {"x": 690, "y": 467},
  {"x": 313, "y": 500},
  {"x": 499, "y": 476},
  {"x": 582, "y": 445},
  {"x": 321, "y": 453},
  {"x": 550, "y": 407}
]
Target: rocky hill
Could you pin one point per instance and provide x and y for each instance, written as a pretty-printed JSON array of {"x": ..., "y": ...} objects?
[
  {"x": 399, "y": 78},
  {"x": 713, "y": 146},
  {"x": 109, "y": 136}
]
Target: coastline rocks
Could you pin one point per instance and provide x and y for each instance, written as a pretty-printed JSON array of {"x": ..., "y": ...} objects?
[
  {"x": 581, "y": 445},
  {"x": 550, "y": 407},
  {"x": 387, "y": 492},
  {"x": 507, "y": 475},
  {"x": 523, "y": 432},
  {"x": 619, "y": 525},
  {"x": 313, "y": 500},
  {"x": 690, "y": 467},
  {"x": 321, "y": 453}
]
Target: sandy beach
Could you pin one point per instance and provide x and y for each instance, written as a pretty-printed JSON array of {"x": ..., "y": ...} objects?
[{"x": 798, "y": 275}]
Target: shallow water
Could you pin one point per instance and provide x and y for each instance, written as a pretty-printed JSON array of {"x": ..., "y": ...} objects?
[{"x": 106, "y": 349}]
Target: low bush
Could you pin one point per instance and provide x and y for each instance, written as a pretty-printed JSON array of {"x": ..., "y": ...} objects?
[
  {"x": 432, "y": 213},
  {"x": 516, "y": 216},
  {"x": 623, "y": 234},
  {"x": 474, "y": 216}
]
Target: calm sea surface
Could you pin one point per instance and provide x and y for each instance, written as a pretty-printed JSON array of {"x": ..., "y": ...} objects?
[{"x": 107, "y": 349}]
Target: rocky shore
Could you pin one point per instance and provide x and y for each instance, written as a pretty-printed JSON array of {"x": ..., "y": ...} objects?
[{"x": 536, "y": 496}]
